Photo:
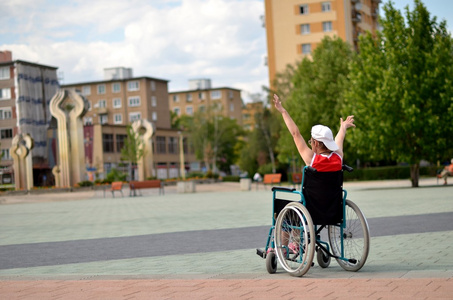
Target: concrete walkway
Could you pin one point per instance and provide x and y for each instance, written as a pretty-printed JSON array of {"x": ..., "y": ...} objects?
[{"x": 202, "y": 246}]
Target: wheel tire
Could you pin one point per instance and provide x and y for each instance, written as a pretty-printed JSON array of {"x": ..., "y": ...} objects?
[
  {"x": 294, "y": 225},
  {"x": 322, "y": 258},
  {"x": 271, "y": 262},
  {"x": 356, "y": 238}
]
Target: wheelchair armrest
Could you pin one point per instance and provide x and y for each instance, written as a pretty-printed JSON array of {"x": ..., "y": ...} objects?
[{"x": 283, "y": 189}]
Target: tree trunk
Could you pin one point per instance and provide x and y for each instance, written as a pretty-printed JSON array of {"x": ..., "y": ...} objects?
[
  {"x": 415, "y": 174},
  {"x": 269, "y": 147}
]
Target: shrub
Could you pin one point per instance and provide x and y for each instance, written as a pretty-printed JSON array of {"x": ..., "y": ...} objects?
[
  {"x": 195, "y": 174},
  {"x": 231, "y": 178},
  {"x": 210, "y": 174},
  {"x": 115, "y": 175},
  {"x": 383, "y": 173},
  {"x": 85, "y": 183}
]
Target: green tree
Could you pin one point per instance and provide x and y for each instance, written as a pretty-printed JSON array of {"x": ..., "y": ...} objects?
[
  {"x": 133, "y": 149},
  {"x": 318, "y": 84},
  {"x": 213, "y": 137},
  {"x": 401, "y": 89}
]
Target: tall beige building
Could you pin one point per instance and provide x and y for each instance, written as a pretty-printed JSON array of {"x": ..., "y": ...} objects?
[
  {"x": 201, "y": 97},
  {"x": 295, "y": 27}
]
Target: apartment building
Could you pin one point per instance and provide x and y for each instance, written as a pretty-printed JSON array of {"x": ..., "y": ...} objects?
[
  {"x": 202, "y": 97},
  {"x": 25, "y": 92},
  {"x": 249, "y": 111},
  {"x": 295, "y": 27},
  {"x": 117, "y": 101}
]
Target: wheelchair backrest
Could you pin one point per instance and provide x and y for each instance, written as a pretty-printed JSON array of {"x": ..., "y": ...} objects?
[{"x": 323, "y": 194}]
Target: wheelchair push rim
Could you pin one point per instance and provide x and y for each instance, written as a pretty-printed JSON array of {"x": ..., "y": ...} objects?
[
  {"x": 351, "y": 243},
  {"x": 293, "y": 243}
]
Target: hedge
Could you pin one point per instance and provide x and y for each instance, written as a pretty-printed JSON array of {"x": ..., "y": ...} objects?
[{"x": 383, "y": 173}]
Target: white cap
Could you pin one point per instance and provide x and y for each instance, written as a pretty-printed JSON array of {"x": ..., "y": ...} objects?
[{"x": 323, "y": 134}]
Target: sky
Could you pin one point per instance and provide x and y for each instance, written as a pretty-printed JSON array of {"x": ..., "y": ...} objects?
[{"x": 175, "y": 40}]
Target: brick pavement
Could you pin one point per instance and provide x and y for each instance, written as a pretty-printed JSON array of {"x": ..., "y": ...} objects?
[{"x": 407, "y": 266}]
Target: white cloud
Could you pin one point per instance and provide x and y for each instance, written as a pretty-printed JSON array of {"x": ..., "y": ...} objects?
[{"x": 174, "y": 40}]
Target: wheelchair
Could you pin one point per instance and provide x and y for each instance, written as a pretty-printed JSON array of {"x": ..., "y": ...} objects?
[{"x": 299, "y": 217}]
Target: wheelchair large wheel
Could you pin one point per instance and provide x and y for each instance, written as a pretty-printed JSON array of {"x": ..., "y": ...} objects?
[
  {"x": 295, "y": 239},
  {"x": 356, "y": 239}
]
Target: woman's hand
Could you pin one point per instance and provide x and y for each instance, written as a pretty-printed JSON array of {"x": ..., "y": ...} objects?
[
  {"x": 278, "y": 104},
  {"x": 349, "y": 122}
]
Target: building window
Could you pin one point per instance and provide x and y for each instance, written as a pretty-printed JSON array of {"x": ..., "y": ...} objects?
[
  {"x": 172, "y": 145},
  {"x": 216, "y": 106},
  {"x": 133, "y": 85},
  {"x": 103, "y": 119},
  {"x": 216, "y": 95},
  {"x": 6, "y": 133},
  {"x": 201, "y": 108},
  {"x": 325, "y": 6},
  {"x": 153, "y": 101},
  {"x": 160, "y": 144},
  {"x": 154, "y": 116},
  {"x": 5, "y": 154},
  {"x": 153, "y": 85},
  {"x": 230, "y": 94},
  {"x": 101, "y": 89},
  {"x": 116, "y": 102},
  {"x": 101, "y": 103},
  {"x": 118, "y": 118},
  {"x": 120, "y": 139},
  {"x": 86, "y": 90},
  {"x": 5, "y": 94},
  {"x": 189, "y": 110},
  {"x": 4, "y": 73},
  {"x": 303, "y": 9},
  {"x": 327, "y": 26},
  {"x": 175, "y": 98},
  {"x": 306, "y": 48},
  {"x": 134, "y": 116},
  {"x": 177, "y": 111},
  {"x": 89, "y": 105},
  {"x": 231, "y": 106},
  {"x": 116, "y": 87},
  {"x": 5, "y": 113},
  {"x": 134, "y": 101},
  {"x": 107, "y": 142},
  {"x": 189, "y": 97},
  {"x": 200, "y": 96},
  {"x": 305, "y": 28},
  {"x": 87, "y": 121}
]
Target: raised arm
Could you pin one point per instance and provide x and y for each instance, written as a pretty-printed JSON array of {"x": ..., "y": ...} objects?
[
  {"x": 305, "y": 152},
  {"x": 344, "y": 125}
]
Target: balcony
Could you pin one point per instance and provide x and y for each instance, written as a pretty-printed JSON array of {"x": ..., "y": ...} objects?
[
  {"x": 356, "y": 17},
  {"x": 101, "y": 110}
]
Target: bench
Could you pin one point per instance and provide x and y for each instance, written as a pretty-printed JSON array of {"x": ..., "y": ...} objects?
[
  {"x": 146, "y": 184},
  {"x": 296, "y": 179},
  {"x": 438, "y": 177},
  {"x": 117, "y": 186},
  {"x": 270, "y": 179}
]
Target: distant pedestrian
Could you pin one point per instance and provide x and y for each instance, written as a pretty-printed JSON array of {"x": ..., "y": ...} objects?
[{"x": 447, "y": 171}]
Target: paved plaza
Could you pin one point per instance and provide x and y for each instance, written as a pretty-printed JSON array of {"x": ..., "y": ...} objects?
[{"x": 82, "y": 245}]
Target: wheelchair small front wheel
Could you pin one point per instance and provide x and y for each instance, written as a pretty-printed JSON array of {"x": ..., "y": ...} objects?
[
  {"x": 355, "y": 237},
  {"x": 271, "y": 262},
  {"x": 322, "y": 258},
  {"x": 295, "y": 239}
]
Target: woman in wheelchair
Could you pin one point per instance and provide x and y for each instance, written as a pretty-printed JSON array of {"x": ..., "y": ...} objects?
[
  {"x": 325, "y": 154},
  {"x": 295, "y": 235}
]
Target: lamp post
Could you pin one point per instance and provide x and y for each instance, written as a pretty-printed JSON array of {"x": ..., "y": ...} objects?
[{"x": 182, "y": 164}]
